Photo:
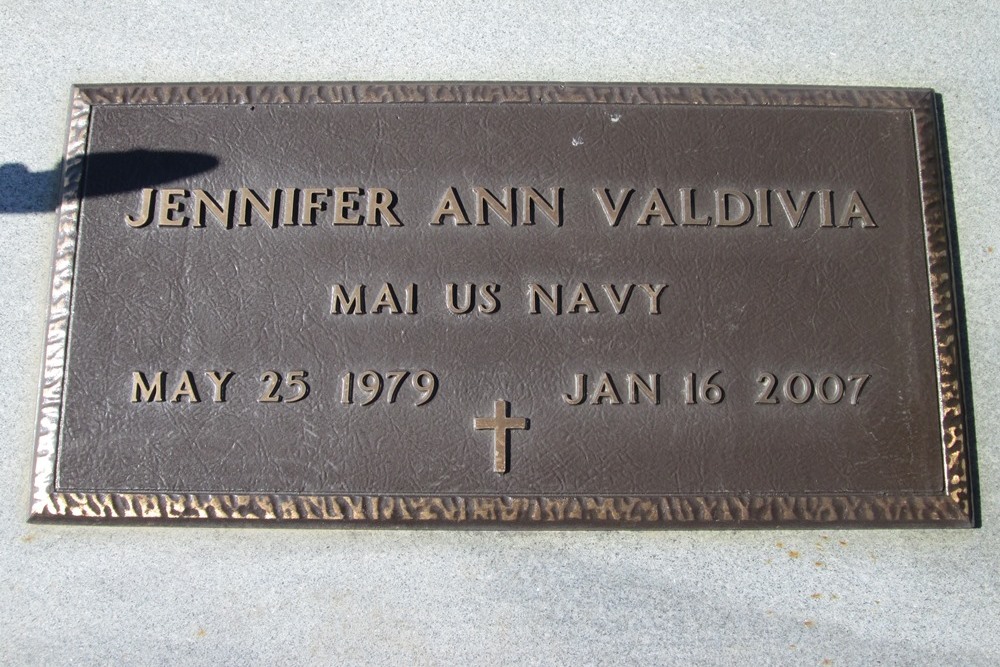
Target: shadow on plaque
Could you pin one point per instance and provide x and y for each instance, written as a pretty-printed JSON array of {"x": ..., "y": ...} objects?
[{"x": 25, "y": 191}]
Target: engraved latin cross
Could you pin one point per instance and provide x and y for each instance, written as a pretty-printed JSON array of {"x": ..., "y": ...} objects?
[{"x": 501, "y": 423}]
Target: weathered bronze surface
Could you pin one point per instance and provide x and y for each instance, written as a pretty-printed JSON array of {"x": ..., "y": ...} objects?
[{"x": 503, "y": 305}]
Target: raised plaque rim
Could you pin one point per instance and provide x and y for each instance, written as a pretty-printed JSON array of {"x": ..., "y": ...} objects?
[{"x": 953, "y": 507}]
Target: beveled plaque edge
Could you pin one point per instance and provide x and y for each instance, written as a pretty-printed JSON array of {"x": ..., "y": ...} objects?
[{"x": 953, "y": 507}]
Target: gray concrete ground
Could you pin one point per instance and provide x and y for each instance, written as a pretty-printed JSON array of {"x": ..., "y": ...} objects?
[{"x": 99, "y": 595}]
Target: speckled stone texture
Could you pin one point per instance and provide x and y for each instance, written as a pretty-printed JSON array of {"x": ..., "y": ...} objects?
[{"x": 98, "y": 595}]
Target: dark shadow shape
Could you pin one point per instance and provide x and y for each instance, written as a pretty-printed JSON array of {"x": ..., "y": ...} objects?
[
  {"x": 24, "y": 191},
  {"x": 963, "y": 336}
]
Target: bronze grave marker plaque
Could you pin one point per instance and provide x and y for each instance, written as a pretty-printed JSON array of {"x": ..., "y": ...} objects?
[{"x": 503, "y": 305}]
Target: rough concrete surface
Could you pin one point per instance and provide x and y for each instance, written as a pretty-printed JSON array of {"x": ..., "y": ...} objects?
[{"x": 100, "y": 595}]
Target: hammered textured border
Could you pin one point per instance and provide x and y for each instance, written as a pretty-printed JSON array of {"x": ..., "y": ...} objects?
[{"x": 953, "y": 507}]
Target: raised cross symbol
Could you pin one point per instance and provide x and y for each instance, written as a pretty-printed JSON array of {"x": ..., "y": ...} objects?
[{"x": 501, "y": 423}]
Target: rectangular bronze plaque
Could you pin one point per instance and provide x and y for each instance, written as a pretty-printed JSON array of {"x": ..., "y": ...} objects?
[{"x": 503, "y": 305}]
